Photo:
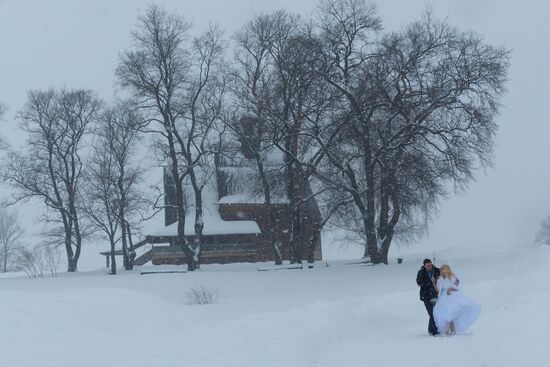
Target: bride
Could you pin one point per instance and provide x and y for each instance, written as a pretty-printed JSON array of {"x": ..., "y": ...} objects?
[{"x": 453, "y": 312}]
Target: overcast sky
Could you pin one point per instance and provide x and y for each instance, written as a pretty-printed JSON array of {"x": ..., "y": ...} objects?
[{"x": 76, "y": 44}]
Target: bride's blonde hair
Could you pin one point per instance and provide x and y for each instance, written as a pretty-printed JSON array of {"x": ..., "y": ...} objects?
[{"x": 448, "y": 270}]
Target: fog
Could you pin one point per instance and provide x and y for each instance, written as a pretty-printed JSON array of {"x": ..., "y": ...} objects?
[{"x": 76, "y": 44}]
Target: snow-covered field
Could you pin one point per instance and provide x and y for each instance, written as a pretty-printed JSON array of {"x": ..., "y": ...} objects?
[{"x": 340, "y": 315}]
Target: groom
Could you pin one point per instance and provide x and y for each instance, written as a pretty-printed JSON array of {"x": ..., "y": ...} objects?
[{"x": 426, "y": 278}]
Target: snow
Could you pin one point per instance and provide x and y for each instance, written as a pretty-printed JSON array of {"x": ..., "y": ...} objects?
[
  {"x": 240, "y": 198},
  {"x": 281, "y": 267},
  {"x": 213, "y": 225},
  {"x": 248, "y": 198},
  {"x": 243, "y": 185},
  {"x": 340, "y": 315}
]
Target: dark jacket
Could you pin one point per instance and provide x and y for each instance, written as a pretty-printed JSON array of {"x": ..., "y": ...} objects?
[{"x": 427, "y": 289}]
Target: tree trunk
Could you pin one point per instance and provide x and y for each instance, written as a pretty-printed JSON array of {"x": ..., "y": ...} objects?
[
  {"x": 299, "y": 213},
  {"x": 272, "y": 236},
  {"x": 369, "y": 219},
  {"x": 125, "y": 254},
  {"x": 297, "y": 231},
  {"x": 371, "y": 247},
  {"x": 385, "y": 247},
  {"x": 313, "y": 240},
  {"x": 181, "y": 241},
  {"x": 199, "y": 226},
  {"x": 396, "y": 213},
  {"x": 199, "y": 220},
  {"x": 67, "y": 227},
  {"x": 113, "y": 257},
  {"x": 271, "y": 230},
  {"x": 77, "y": 235},
  {"x": 71, "y": 265},
  {"x": 131, "y": 250},
  {"x": 292, "y": 197}
]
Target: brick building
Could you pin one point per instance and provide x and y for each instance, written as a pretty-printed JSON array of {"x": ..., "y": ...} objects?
[{"x": 235, "y": 221}]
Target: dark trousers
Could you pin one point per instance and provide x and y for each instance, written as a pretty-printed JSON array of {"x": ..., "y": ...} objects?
[{"x": 432, "y": 329}]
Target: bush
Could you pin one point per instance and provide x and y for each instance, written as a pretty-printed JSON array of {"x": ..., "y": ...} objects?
[
  {"x": 38, "y": 261},
  {"x": 202, "y": 296}
]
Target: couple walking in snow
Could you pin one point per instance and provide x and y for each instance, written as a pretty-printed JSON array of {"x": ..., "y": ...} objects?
[{"x": 449, "y": 309}]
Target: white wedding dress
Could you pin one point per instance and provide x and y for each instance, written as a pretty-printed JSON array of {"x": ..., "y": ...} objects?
[{"x": 454, "y": 307}]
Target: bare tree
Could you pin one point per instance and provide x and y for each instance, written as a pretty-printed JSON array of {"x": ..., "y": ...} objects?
[
  {"x": 286, "y": 105},
  {"x": 50, "y": 168},
  {"x": 10, "y": 235},
  {"x": 300, "y": 105},
  {"x": 251, "y": 89},
  {"x": 156, "y": 71},
  {"x": 201, "y": 126},
  {"x": 420, "y": 108},
  {"x": 124, "y": 124},
  {"x": 38, "y": 260},
  {"x": 99, "y": 202},
  {"x": 51, "y": 257},
  {"x": 31, "y": 263},
  {"x": 179, "y": 85},
  {"x": 112, "y": 178},
  {"x": 345, "y": 30}
]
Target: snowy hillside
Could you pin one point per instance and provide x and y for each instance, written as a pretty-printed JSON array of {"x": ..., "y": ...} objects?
[{"x": 340, "y": 315}]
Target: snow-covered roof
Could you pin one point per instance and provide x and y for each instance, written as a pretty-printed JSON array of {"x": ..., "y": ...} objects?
[
  {"x": 242, "y": 185},
  {"x": 213, "y": 223},
  {"x": 248, "y": 199},
  {"x": 212, "y": 226}
]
